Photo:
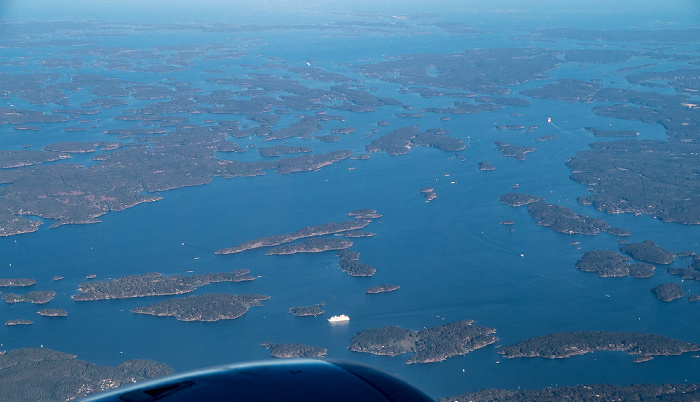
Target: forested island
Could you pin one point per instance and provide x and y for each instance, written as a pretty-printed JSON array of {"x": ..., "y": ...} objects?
[
  {"x": 611, "y": 264},
  {"x": 564, "y": 220},
  {"x": 207, "y": 307},
  {"x": 514, "y": 151},
  {"x": 311, "y": 231},
  {"x": 566, "y": 344},
  {"x": 17, "y": 282},
  {"x": 36, "y": 297},
  {"x": 52, "y": 312},
  {"x": 313, "y": 245},
  {"x": 294, "y": 350},
  {"x": 306, "y": 311},
  {"x": 641, "y": 177},
  {"x": 611, "y": 133},
  {"x": 40, "y": 374},
  {"x": 668, "y": 291},
  {"x": 400, "y": 141},
  {"x": 348, "y": 263},
  {"x": 154, "y": 284},
  {"x": 518, "y": 199},
  {"x": 581, "y": 393},
  {"x": 648, "y": 251},
  {"x": 428, "y": 345},
  {"x": 365, "y": 213}
]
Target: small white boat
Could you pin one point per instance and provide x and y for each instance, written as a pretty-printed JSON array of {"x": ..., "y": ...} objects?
[{"x": 339, "y": 318}]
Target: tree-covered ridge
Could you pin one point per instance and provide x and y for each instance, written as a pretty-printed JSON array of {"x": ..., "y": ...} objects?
[
  {"x": 311, "y": 231},
  {"x": 207, "y": 307},
  {"x": 32, "y": 374},
  {"x": 154, "y": 284},
  {"x": 36, "y": 297},
  {"x": 584, "y": 393},
  {"x": 429, "y": 345},
  {"x": 566, "y": 344},
  {"x": 656, "y": 178},
  {"x": 294, "y": 350}
]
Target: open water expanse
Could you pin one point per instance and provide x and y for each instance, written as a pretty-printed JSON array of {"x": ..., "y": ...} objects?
[{"x": 451, "y": 257}]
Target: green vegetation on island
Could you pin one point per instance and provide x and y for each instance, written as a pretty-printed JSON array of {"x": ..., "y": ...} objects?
[
  {"x": 668, "y": 291},
  {"x": 605, "y": 263},
  {"x": 278, "y": 150},
  {"x": 656, "y": 178},
  {"x": 514, "y": 151},
  {"x": 153, "y": 284},
  {"x": 364, "y": 213},
  {"x": 294, "y": 350},
  {"x": 518, "y": 199},
  {"x": 33, "y": 374},
  {"x": 428, "y": 345},
  {"x": 356, "y": 234},
  {"x": 486, "y": 166},
  {"x": 207, "y": 307},
  {"x": 400, "y": 141},
  {"x": 36, "y": 297},
  {"x": 585, "y": 393},
  {"x": 565, "y": 344},
  {"x": 311, "y": 231},
  {"x": 306, "y": 311},
  {"x": 17, "y": 282},
  {"x": 53, "y": 312},
  {"x": 347, "y": 262},
  {"x": 611, "y": 133},
  {"x": 313, "y": 245},
  {"x": 564, "y": 220},
  {"x": 648, "y": 251}
]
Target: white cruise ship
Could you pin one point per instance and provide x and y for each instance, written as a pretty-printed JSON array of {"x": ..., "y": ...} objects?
[{"x": 339, "y": 318}]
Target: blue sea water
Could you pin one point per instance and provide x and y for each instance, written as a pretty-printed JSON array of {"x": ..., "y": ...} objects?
[{"x": 450, "y": 256}]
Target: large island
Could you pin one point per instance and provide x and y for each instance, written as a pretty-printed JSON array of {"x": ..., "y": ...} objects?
[{"x": 428, "y": 345}]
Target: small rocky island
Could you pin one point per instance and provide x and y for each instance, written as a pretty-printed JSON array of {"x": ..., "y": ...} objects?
[
  {"x": 154, "y": 284},
  {"x": 365, "y": 213},
  {"x": 648, "y": 251},
  {"x": 53, "y": 312},
  {"x": 428, "y": 345},
  {"x": 566, "y": 344},
  {"x": 36, "y": 297},
  {"x": 307, "y": 311},
  {"x": 428, "y": 193},
  {"x": 18, "y": 322},
  {"x": 668, "y": 292},
  {"x": 294, "y": 350},
  {"x": 381, "y": 289},
  {"x": 207, "y": 307},
  {"x": 356, "y": 234},
  {"x": 486, "y": 166}
]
